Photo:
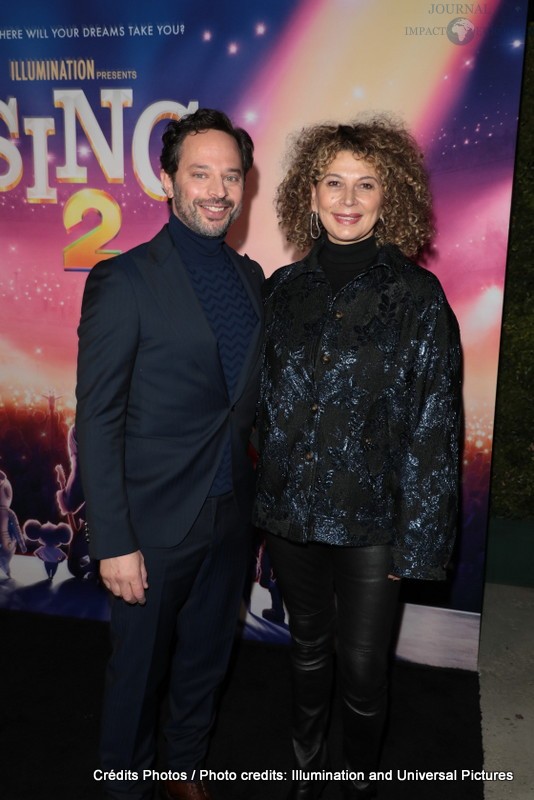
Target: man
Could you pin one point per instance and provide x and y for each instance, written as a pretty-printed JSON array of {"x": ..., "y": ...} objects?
[{"x": 169, "y": 345}]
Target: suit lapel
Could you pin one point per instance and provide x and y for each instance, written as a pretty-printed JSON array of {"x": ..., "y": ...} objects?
[
  {"x": 251, "y": 283},
  {"x": 167, "y": 279}
]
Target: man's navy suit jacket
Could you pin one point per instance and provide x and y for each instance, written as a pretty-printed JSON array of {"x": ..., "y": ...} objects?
[{"x": 153, "y": 410}]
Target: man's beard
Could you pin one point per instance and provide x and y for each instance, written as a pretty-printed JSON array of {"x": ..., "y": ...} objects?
[{"x": 195, "y": 221}]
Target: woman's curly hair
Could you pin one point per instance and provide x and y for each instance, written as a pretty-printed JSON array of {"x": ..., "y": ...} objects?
[{"x": 406, "y": 215}]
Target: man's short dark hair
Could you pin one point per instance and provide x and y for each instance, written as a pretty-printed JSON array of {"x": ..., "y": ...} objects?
[{"x": 204, "y": 119}]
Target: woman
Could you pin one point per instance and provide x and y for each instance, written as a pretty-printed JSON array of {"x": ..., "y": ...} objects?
[{"x": 359, "y": 425}]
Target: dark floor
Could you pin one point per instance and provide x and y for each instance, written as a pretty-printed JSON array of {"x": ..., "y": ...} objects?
[{"x": 52, "y": 676}]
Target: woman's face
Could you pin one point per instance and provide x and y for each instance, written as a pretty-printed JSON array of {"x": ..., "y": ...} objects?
[{"x": 348, "y": 199}]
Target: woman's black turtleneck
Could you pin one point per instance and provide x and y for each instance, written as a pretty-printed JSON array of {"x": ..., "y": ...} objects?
[{"x": 343, "y": 262}]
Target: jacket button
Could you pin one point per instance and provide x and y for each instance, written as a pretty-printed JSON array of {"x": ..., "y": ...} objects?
[
  {"x": 309, "y": 456},
  {"x": 314, "y": 408},
  {"x": 326, "y": 358},
  {"x": 339, "y": 314}
]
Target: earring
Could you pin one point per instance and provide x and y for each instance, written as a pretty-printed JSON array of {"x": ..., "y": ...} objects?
[{"x": 315, "y": 228}]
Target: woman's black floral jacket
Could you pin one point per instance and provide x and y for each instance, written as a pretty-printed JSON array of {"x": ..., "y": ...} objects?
[{"x": 359, "y": 414}]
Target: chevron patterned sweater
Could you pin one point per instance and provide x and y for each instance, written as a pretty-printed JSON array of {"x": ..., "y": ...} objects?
[{"x": 228, "y": 310}]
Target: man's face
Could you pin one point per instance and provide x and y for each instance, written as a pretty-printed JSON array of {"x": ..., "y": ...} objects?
[{"x": 207, "y": 190}]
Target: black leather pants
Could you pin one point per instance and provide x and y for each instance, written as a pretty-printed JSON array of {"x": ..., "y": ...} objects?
[{"x": 337, "y": 595}]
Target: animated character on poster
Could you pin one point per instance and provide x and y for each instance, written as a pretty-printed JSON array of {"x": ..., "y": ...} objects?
[
  {"x": 51, "y": 537},
  {"x": 267, "y": 580},
  {"x": 70, "y": 501},
  {"x": 10, "y": 532}
]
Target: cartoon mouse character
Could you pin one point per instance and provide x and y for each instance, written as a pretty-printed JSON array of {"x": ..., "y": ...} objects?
[
  {"x": 70, "y": 501},
  {"x": 10, "y": 532},
  {"x": 51, "y": 536}
]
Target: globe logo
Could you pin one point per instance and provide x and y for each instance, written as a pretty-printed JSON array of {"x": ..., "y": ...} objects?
[{"x": 460, "y": 31}]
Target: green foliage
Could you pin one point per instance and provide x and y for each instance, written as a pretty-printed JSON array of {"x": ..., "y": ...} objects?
[{"x": 512, "y": 493}]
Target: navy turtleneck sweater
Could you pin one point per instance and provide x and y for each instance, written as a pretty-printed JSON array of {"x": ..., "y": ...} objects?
[{"x": 228, "y": 309}]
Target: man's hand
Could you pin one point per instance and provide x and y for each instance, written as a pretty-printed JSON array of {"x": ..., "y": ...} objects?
[{"x": 125, "y": 576}]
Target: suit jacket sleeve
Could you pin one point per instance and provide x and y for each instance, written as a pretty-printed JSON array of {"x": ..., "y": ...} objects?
[{"x": 108, "y": 339}]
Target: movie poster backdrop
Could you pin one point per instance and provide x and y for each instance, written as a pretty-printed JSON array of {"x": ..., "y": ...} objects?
[{"x": 85, "y": 95}]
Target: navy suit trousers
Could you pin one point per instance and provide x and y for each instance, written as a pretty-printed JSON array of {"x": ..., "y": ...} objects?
[{"x": 180, "y": 641}]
